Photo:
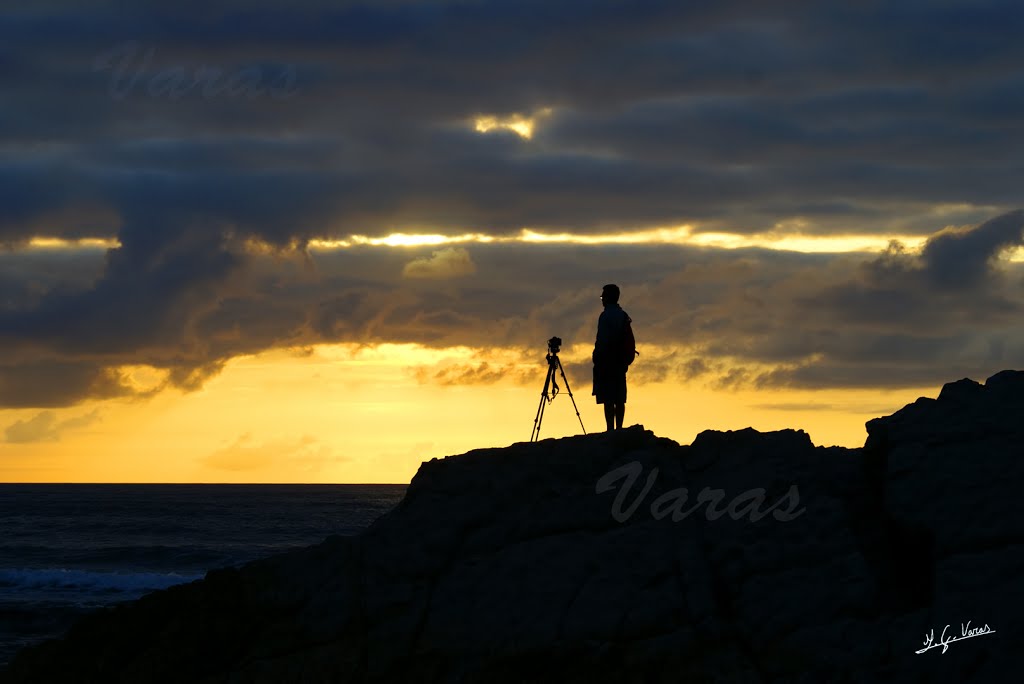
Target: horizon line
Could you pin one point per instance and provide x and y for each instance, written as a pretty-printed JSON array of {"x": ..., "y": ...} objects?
[{"x": 329, "y": 484}]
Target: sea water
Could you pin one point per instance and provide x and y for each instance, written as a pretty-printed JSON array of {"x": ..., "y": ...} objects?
[{"x": 66, "y": 549}]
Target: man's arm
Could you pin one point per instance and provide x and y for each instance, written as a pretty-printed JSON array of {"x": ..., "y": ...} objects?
[{"x": 601, "y": 341}]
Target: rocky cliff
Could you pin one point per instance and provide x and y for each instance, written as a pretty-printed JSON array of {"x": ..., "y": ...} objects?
[{"x": 625, "y": 557}]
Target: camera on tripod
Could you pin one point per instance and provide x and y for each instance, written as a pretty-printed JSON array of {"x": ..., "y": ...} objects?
[{"x": 550, "y": 390}]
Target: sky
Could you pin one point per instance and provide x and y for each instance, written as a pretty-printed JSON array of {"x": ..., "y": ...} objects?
[{"x": 327, "y": 241}]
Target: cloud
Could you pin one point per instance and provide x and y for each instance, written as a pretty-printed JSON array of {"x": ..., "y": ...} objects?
[
  {"x": 58, "y": 382},
  {"x": 734, "y": 116},
  {"x": 483, "y": 373},
  {"x": 659, "y": 114},
  {"x": 727, "y": 318},
  {"x": 964, "y": 257},
  {"x": 450, "y": 262},
  {"x": 44, "y": 427}
]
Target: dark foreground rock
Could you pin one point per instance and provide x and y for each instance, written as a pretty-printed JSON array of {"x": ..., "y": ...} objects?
[{"x": 582, "y": 560}]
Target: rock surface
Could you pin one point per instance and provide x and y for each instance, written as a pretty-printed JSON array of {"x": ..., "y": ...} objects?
[{"x": 583, "y": 560}]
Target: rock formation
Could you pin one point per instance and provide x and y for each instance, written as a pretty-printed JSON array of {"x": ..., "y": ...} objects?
[{"x": 625, "y": 557}]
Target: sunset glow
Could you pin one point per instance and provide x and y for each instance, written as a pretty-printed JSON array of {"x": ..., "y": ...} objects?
[
  {"x": 522, "y": 126},
  {"x": 683, "y": 235},
  {"x": 345, "y": 413},
  {"x": 346, "y": 255}
]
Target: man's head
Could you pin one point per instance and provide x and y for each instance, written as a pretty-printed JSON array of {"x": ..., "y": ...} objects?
[{"x": 610, "y": 294}]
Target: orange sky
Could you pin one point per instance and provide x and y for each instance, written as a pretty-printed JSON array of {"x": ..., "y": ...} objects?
[
  {"x": 271, "y": 251},
  {"x": 337, "y": 414}
]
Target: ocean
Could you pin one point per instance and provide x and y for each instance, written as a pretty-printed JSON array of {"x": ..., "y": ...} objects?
[{"x": 66, "y": 549}]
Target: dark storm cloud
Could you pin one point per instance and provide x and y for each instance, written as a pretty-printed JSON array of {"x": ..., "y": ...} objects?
[
  {"x": 902, "y": 319},
  {"x": 185, "y": 131},
  {"x": 663, "y": 112},
  {"x": 954, "y": 268},
  {"x": 964, "y": 257},
  {"x": 27, "y": 276},
  {"x": 143, "y": 298},
  {"x": 32, "y": 191},
  {"x": 56, "y": 383}
]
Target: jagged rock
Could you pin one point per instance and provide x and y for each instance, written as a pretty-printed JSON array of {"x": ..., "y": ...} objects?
[
  {"x": 962, "y": 391},
  {"x": 954, "y": 478},
  {"x": 1007, "y": 383},
  {"x": 625, "y": 557}
]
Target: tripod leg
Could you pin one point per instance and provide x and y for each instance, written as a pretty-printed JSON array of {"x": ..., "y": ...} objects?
[
  {"x": 539, "y": 418},
  {"x": 569, "y": 390},
  {"x": 535, "y": 433}
]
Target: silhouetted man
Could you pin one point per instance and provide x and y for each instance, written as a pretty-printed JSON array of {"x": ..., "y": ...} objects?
[{"x": 609, "y": 366}]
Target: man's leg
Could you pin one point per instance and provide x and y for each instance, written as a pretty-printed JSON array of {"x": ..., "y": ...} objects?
[
  {"x": 609, "y": 415},
  {"x": 620, "y": 413}
]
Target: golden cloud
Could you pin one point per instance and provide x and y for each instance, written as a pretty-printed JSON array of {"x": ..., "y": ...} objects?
[{"x": 442, "y": 264}]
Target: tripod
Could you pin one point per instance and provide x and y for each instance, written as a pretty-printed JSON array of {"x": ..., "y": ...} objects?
[{"x": 550, "y": 382}]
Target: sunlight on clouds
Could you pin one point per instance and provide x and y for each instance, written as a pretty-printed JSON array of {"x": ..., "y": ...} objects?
[
  {"x": 786, "y": 236},
  {"x": 683, "y": 235},
  {"x": 81, "y": 243},
  {"x": 442, "y": 264},
  {"x": 519, "y": 125},
  {"x": 253, "y": 245},
  {"x": 522, "y": 126},
  {"x": 402, "y": 240},
  {"x": 677, "y": 235},
  {"x": 948, "y": 209},
  {"x": 807, "y": 244},
  {"x": 143, "y": 379}
]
